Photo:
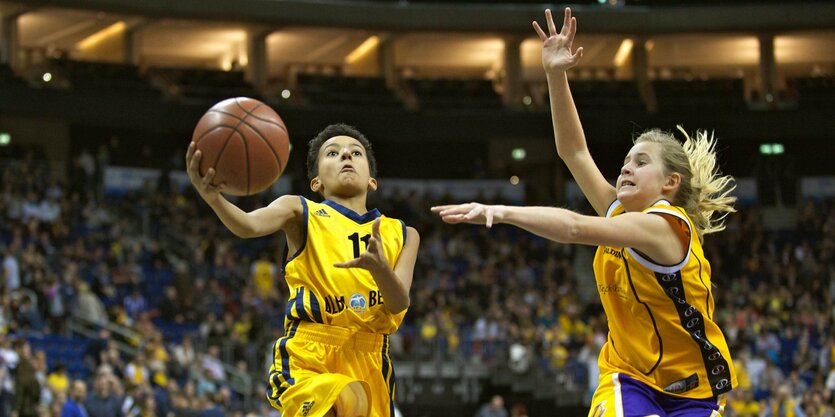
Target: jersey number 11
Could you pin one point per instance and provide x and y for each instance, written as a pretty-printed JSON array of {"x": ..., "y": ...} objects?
[{"x": 355, "y": 239}]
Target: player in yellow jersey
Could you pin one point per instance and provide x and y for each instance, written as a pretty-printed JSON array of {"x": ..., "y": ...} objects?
[
  {"x": 349, "y": 278},
  {"x": 665, "y": 356}
]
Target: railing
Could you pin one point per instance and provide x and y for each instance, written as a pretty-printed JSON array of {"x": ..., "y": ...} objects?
[{"x": 242, "y": 384}]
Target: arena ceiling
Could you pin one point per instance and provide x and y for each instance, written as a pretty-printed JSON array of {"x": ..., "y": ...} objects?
[{"x": 219, "y": 44}]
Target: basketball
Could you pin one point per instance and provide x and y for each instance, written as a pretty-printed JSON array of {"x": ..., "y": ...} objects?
[{"x": 245, "y": 141}]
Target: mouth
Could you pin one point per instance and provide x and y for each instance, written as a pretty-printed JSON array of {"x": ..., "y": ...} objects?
[
  {"x": 347, "y": 168},
  {"x": 624, "y": 184}
]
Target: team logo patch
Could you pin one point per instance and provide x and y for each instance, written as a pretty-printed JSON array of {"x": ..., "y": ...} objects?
[
  {"x": 357, "y": 303},
  {"x": 321, "y": 213}
]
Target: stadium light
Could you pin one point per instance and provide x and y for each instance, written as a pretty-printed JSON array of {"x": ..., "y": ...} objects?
[
  {"x": 101, "y": 35},
  {"x": 363, "y": 49},
  {"x": 518, "y": 154},
  {"x": 5, "y": 138}
]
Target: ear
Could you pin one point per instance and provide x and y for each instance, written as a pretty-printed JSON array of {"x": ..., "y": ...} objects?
[
  {"x": 315, "y": 185},
  {"x": 372, "y": 184},
  {"x": 673, "y": 181}
]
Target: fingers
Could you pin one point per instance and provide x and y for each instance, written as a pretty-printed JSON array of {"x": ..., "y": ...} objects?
[
  {"x": 566, "y": 22},
  {"x": 475, "y": 212},
  {"x": 577, "y": 54},
  {"x": 458, "y": 209},
  {"x": 207, "y": 179},
  {"x": 542, "y": 35},
  {"x": 375, "y": 229},
  {"x": 572, "y": 29},
  {"x": 438, "y": 209},
  {"x": 489, "y": 217},
  {"x": 350, "y": 264},
  {"x": 193, "y": 163},
  {"x": 190, "y": 152},
  {"x": 552, "y": 29}
]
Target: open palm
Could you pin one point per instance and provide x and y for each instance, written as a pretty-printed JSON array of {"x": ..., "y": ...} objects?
[{"x": 556, "y": 47}]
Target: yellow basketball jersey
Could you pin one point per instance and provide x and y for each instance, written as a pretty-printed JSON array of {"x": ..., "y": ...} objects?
[
  {"x": 661, "y": 328},
  {"x": 343, "y": 297}
]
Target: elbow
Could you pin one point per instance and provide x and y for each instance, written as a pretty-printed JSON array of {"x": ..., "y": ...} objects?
[
  {"x": 573, "y": 231},
  {"x": 399, "y": 307}
]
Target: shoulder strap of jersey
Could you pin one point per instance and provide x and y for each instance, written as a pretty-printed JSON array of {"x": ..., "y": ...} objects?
[{"x": 663, "y": 207}]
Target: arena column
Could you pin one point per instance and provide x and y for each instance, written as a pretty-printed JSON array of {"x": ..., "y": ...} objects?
[
  {"x": 640, "y": 69},
  {"x": 768, "y": 69},
  {"x": 133, "y": 41},
  {"x": 388, "y": 66},
  {"x": 9, "y": 35},
  {"x": 256, "y": 51},
  {"x": 512, "y": 65}
]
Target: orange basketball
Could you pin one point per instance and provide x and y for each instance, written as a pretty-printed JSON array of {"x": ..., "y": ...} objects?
[{"x": 245, "y": 141}]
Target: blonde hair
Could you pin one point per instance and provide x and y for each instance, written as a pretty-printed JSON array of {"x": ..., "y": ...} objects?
[{"x": 703, "y": 190}]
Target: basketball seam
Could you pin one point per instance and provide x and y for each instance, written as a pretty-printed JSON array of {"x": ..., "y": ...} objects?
[
  {"x": 254, "y": 129},
  {"x": 199, "y": 138},
  {"x": 249, "y": 113},
  {"x": 246, "y": 153},
  {"x": 225, "y": 144}
]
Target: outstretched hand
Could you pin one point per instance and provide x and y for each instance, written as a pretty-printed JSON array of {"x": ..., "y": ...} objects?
[
  {"x": 475, "y": 213},
  {"x": 203, "y": 184},
  {"x": 556, "y": 47},
  {"x": 373, "y": 259}
]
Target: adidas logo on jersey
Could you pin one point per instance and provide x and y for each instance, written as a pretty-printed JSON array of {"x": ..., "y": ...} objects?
[
  {"x": 322, "y": 213},
  {"x": 306, "y": 407}
]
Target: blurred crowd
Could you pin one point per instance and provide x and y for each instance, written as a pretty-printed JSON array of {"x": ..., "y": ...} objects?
[{"x": 203, "y": 307}]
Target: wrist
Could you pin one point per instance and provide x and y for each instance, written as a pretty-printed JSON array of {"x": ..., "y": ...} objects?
[{"x": 500, "y": 214}]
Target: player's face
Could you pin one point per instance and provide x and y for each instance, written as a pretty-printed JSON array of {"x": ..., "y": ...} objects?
[
  {"x": 343, "y": 167},
  {"x": 642, "y": 180}
]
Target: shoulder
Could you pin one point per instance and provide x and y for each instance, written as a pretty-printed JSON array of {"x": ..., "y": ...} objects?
[
  {"x": 289, "y": 201},
  {"x": 412, "y": 235}
]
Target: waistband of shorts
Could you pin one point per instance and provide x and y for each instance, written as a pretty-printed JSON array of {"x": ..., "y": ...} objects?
[{"x": 340, "y": 336}]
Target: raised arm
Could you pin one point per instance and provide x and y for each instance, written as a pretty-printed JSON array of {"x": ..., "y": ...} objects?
[
  {"x": 283, "y": 213},
  {"x": 568, "y": 132}
]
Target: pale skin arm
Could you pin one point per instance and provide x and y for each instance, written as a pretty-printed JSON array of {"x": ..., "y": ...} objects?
[
  {"x": 394, "y": 283},
  {"x": 282, "y": 214},
  {"x": 568, "y": 132},
  {"x": 651, "y": 234}
]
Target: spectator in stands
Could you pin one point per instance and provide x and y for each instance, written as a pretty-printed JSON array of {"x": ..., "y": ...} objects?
[
  {"x": 88, "y": 306},
  {"x": 136, "y": 373},
  {"x": 495, "y": 408},
  {"x": 27, "y": 392},
  {"x": 103, "y": 402},
  {"x": 58, "y": 381},
  {"x": 264, "y": 276},
  {"x": 135, "y": 304},
  {"x": 74, "y": 407},
  {"x": 11, "y": 267},
  {"x": 8, "y": 361},
  {"x": 783, "y": 404}
]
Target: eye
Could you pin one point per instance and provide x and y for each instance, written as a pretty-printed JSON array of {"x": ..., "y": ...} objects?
[
  {"x": 356, "y": 153},
  {"x": 642, "y": 163},
  {"x": 331, "y": 153}
]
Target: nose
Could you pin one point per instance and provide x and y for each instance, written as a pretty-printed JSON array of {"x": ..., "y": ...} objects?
[
  {"x": 625, "y": 169},
  {"x": 345, "y": 153}
]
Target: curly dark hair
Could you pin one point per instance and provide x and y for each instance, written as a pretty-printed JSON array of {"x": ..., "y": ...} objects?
[{"x": 337, "y": 129}]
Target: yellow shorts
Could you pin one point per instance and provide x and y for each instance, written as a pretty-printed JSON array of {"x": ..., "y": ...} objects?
[
  {"x": 314, "y": 362},
  {"x": 619, "y": 395}
]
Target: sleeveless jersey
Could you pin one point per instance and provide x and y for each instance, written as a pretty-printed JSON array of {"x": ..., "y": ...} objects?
[
  {"x": 343, "y": 297},
  {"x": 661, "y": 328}
]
